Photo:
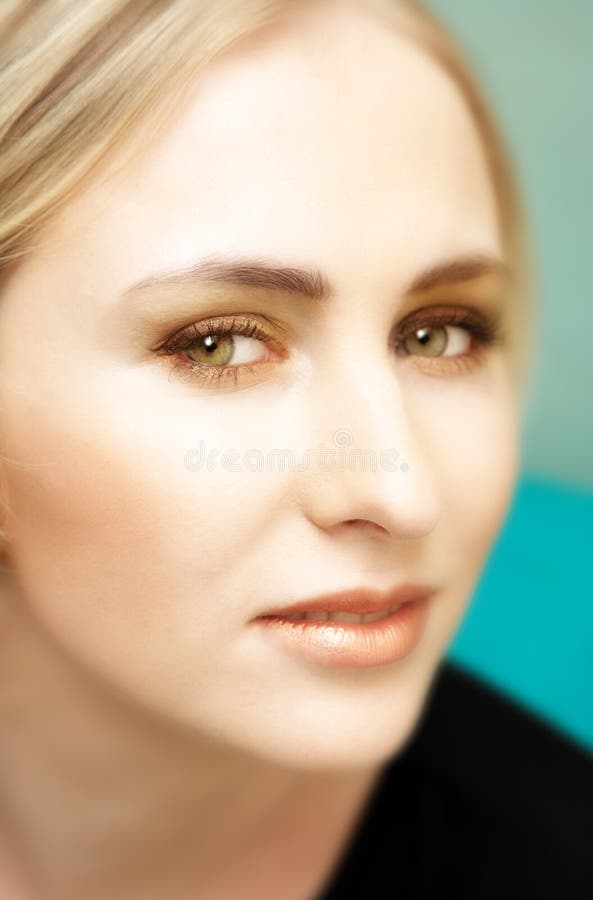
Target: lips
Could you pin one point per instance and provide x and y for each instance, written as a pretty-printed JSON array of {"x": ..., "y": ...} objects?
[
  {"x": 357, "y": 602},
  {"x": 326, "y": 642}
]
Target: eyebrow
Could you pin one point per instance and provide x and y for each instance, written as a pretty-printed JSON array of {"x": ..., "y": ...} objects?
[{"x": 311, "y": 283}]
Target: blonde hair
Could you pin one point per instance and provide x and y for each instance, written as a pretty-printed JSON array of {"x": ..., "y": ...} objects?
[{"x": 77, "y": 77}]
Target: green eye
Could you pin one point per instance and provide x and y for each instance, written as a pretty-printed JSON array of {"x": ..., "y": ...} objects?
[
  {"x": 212, "y": 350},
  {"x": 427, "y": 341},
  {"x": 220, "y": 349}
]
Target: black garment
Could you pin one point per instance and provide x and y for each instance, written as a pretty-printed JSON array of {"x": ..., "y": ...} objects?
[{"x": 486, "y": 801}]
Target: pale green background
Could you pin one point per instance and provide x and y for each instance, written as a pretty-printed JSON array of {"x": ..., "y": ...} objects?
[{"x": 534, "y": 59}]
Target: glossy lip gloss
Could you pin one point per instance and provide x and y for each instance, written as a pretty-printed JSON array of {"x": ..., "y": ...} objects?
[{"x": 347, "y": 644}]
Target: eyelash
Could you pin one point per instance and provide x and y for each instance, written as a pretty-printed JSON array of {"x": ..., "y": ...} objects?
[
  {"x": 484, "y": 328},
  {"x": 197, "y": 331}
]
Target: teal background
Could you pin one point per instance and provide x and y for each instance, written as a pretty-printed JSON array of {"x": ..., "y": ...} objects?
[{"x": 529, "y": 628}]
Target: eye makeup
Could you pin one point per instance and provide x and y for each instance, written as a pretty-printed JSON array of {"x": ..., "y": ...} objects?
[{"x": 483, "y": 328}]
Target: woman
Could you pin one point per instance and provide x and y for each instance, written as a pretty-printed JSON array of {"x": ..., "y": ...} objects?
[{"x": 233, "y": 233}]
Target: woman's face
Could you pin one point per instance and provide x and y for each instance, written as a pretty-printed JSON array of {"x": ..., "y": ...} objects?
[{"x": 144, "y": 554}]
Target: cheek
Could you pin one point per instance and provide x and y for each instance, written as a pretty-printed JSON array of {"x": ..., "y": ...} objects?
[
  {"x": 472, "y": 432},
  {"x": 115, "y": 543},
  {"x": 473, "y": 440},
  {"x": 485, "y": 471}
]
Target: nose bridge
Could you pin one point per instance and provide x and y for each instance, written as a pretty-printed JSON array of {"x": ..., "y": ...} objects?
[
  {"x": 359, "y": 402},
  {"x": 361, "y": 422},
  {"x": 377, "y": 468}
]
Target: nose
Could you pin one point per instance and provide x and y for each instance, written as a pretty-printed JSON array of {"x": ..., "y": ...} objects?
[{"x": 369, "y": 468}]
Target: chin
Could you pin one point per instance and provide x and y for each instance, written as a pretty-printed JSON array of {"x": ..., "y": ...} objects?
[{"x": 352, "y": 727}]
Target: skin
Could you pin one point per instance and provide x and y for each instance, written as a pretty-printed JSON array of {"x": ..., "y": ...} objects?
[{"x": 156, "y": 745}]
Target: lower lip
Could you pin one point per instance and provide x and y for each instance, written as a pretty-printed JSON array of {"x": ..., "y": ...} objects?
[{"x": 350, "y": 645}]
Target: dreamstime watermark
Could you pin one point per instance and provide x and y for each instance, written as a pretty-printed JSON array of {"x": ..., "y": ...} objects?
[{"x": 340, "y": 457}]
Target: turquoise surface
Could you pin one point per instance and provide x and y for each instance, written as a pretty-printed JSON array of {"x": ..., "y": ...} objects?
[{"x": 529, "y": 627}]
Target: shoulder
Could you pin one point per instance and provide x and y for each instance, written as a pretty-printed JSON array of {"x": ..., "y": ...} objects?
[
  {"x": 486, "y": 800},
  {"x": 507, "y": 798}
]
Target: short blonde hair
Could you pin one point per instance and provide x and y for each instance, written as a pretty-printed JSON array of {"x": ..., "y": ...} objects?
[{"x": 77, "y": 77}]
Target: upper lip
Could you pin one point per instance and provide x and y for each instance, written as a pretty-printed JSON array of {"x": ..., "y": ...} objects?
[{"x": 358, "y": 600}]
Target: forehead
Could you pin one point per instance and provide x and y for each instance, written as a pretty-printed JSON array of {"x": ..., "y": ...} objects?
[{"x": 332, "y": 130}]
